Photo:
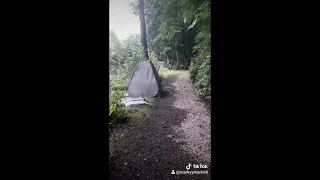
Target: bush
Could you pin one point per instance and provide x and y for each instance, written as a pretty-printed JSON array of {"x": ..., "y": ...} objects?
[
  {"x": 149, "y": 100},
  {"x": 119, "y": 116},
  {"x": 118, "y": 85},
  {"x": 133, "y": 114},
  {"x": 193, "y": 70},
  {"x": 200, "y": 74}
]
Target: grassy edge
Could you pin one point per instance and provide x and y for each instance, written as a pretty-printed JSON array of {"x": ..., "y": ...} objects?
[{"x": 164, "y": 72}]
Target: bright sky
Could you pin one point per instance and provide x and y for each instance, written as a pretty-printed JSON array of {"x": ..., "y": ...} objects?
[{"x": 122, "y": 21}]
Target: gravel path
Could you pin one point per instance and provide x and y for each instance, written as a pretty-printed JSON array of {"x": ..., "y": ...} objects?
[{"x": 176, "y": 133}]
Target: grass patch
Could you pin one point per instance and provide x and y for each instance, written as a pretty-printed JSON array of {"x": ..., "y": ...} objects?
[
  {"x": 149, "y": 100},
  {"x": 137, "y": 113},
  {"x": 131, "y": 115},
  {"x": 164, "y": 72}
]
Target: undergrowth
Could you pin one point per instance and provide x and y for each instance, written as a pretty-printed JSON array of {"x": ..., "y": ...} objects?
[
  {"x": 200, "y": 74},
  {"x": 119, "y": 114}
]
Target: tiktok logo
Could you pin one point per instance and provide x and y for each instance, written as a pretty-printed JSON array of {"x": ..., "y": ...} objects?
[{"x": 188, "y": 166}]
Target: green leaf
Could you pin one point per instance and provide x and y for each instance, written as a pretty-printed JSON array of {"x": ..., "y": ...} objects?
[
  {"x": 112, "y": 108},
  {"x": 194, "y": 23}
]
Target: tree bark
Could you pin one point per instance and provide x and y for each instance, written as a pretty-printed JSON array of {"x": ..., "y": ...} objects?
[
  {"x": 177, "y": 56},
  {"x": 186, "y": 45},
  {"x": 143, "y": 30}
]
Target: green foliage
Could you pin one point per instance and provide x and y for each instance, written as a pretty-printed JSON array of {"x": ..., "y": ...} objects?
[
  {"x": 200, "y": 74},
  {"x": 200, "y": 69},
  {"x": 178, "y": 33},
  {"x": 124, "y": 54},
  {"x": 111, "y": 109},
  {"x": 123, "y": 58},
  {"x": 194, "y": 68},
  {"x": 149, "y": 100},
  {"x": 118, "y": 85},
  {"x": 120, "y": 115},
  {"x": 137, "y": 113},
  {"x": 203, "y": 79}
]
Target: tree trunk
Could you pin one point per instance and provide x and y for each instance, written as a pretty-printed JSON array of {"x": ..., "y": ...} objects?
[
  {"x": 177, "y": 56},
  {"x": 187, "y": 62},
  {"x": 185, "y": 46},
  {"x": 143, "y": 29}
]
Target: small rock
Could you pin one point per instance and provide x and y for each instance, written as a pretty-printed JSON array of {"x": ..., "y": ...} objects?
[
  {"x": 125, "y": 163},
  {"x": 169, "y": 136},
  {"x": 164, "y": 125}
]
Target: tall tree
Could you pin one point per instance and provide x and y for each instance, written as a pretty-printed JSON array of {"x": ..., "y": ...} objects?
[
  {"x": 191, "y": 46},
  {"x": 143, "y": 29}
]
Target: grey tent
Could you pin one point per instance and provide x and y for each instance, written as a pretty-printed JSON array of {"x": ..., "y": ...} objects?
[{"x": 144, "y": 81}]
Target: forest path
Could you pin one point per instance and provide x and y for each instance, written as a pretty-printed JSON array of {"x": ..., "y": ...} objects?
[{"x": 176, "y": 132}]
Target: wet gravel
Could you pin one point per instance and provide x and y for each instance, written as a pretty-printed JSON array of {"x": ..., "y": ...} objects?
[{"x": 176, "y": 133}]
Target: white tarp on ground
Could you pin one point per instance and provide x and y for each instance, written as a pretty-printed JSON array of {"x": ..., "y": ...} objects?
[{"x": 133, "y": 101}]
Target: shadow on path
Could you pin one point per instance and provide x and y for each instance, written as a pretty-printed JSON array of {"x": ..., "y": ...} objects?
[{"x": 152, "y": 149}]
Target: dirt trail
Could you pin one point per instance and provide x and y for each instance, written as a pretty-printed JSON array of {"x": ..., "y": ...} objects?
[{"x": 176, "y": 133}]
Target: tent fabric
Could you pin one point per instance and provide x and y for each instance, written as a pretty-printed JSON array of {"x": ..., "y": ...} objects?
[{"x": 144, "y": 81}]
